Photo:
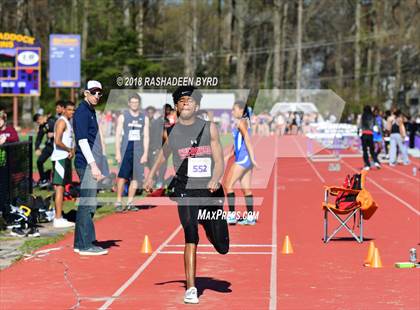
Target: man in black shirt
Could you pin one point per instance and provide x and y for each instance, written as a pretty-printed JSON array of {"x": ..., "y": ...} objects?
[{"x": 46, "y": 128}]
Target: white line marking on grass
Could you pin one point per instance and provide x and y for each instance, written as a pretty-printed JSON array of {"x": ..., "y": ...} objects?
[
  {"x": 216, "y": 253},
  {"x": 404, "y": 203},
  {"x": 309, "y": 162},
  {"x": 273, "y": 272},
  {"x": 139, "y": 270}
]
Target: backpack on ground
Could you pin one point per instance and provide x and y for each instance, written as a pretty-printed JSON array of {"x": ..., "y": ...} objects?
[{"x": 344, "y": 200}]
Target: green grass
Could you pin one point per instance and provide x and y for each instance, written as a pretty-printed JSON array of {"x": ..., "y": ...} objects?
[{"x": 33, "y": 244}]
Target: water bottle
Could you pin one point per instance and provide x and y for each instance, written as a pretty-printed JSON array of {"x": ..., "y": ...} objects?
[
  {"x": 413, "y": 255},
  {"x": 414, "y": 171}
]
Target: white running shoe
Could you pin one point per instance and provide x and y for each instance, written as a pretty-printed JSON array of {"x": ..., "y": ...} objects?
[
  {"x": 93, "y": 251},
  {"x": 249, "y": 220},
  {"x": 62, "y": 223},
  {"x": 367, "y": 168},
  {"x": 231, "y": 218},
  {"x": 191, "y": 296}
]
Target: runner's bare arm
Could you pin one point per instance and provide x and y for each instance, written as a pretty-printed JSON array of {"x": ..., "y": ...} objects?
[
  {"x": 164, "y": 136},
  {"x": 101, "y": 135},
  {"x": 217, "y": 152},
  {"x": 118, "y": 134},
  {"x": 146, "y": 140},
  {"x": 243, "y": 128},
  {"x": 59, "y": 129},
  {"x": 161, "y": 158}
]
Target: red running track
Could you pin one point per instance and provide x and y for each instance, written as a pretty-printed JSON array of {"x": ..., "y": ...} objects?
[{"x": 255, "y": 275}]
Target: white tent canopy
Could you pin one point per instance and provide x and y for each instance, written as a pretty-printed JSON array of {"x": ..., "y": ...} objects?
[
  {"x": 210, "y": 101},
  {"x": 285, "y": 107}
]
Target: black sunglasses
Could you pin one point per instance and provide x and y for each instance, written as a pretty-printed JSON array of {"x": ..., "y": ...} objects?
[{"x": 95, "y": 92}]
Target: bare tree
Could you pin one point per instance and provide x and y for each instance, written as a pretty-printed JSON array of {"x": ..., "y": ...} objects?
[
  {"x": 283, "y": 41},
  {"x": 357, "y": 51},
  {"x": 139, "y": 26},
  {"x": 74, "y": 16},
  {"x": 240, "y": 12},
  {"x": 338, "y": 60},
  {"x": 190, "y": 39},
  {"x": 85, "y": 30},
  {"x": 126, "y": 11},
  {"x": 19, "y": 15},
  {"x": 378, "y": 45},
  {"x": 299, "y": 49},
  {"x": 277, "y": 23}
]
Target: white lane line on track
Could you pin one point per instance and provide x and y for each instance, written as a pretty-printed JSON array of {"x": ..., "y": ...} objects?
[
  {"x": 273, "y": 271},
  {"x": 404, "y": 203},
  {"x": 230, "y": 245},
  {"x": 216, "y": 253},
  {"x": 401, "y": 173},
  {"x": 309, "y": 162},
  {"x": 139, "y": 270}
]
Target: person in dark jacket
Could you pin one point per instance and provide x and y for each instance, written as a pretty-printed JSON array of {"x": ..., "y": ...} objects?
[
  {"x": 46, "y": 128},
  {"x": 8, "y": 134},
  {"x": 367, "y": 123}
]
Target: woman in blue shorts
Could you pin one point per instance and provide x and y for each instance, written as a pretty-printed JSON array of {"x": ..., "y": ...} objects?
[
  {"x": 377, "y": 131},
  {"x": 241, "y": 170}
]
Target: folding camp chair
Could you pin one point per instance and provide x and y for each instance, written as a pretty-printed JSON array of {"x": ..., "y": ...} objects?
[{"x": 343, "y": 215}]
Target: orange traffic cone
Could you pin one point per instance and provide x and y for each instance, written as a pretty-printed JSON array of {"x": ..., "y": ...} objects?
[
  {"x": 287, "y": 246},
  {"x": 146, "y": 247},
  {"x": 376, "y": 260},
  {"x": 369, "y": 256}
]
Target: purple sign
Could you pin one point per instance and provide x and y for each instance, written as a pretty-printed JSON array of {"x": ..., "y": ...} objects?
[{"x": 64, "y": 70}]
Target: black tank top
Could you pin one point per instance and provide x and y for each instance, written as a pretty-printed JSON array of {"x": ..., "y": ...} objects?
[
  {"x": 395, "y": 128},
  {"x": 133, "y": 132},
  {"x": 183, "y": 144}
]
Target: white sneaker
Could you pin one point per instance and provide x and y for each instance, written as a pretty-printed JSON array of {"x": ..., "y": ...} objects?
[
  {"x": 93, "y": 251},
  {"x": 62, "y": 223},
  {"x": 231, "y": 218},
  {"x": 191, "y": 296},
  {"x": 367, "y": 168}
]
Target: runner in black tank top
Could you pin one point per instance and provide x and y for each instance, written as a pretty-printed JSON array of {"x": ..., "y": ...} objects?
[{"x": 198, "y": 161}]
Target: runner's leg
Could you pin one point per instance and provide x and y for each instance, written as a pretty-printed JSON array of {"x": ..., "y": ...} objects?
[
  {"x": 234, "y": 174},
  {"x": 188, "y": 218}
]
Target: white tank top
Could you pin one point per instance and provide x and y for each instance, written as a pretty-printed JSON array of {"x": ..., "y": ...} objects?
[{"x": 67, "y": 139}]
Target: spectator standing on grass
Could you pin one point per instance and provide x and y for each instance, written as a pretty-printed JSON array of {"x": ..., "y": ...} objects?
[
  {"x": 8, "y": 134},
  {"x": 89, "y": 155},
  {"x": 62, "y": 156},
  {"x": 45, "y": 128}
]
